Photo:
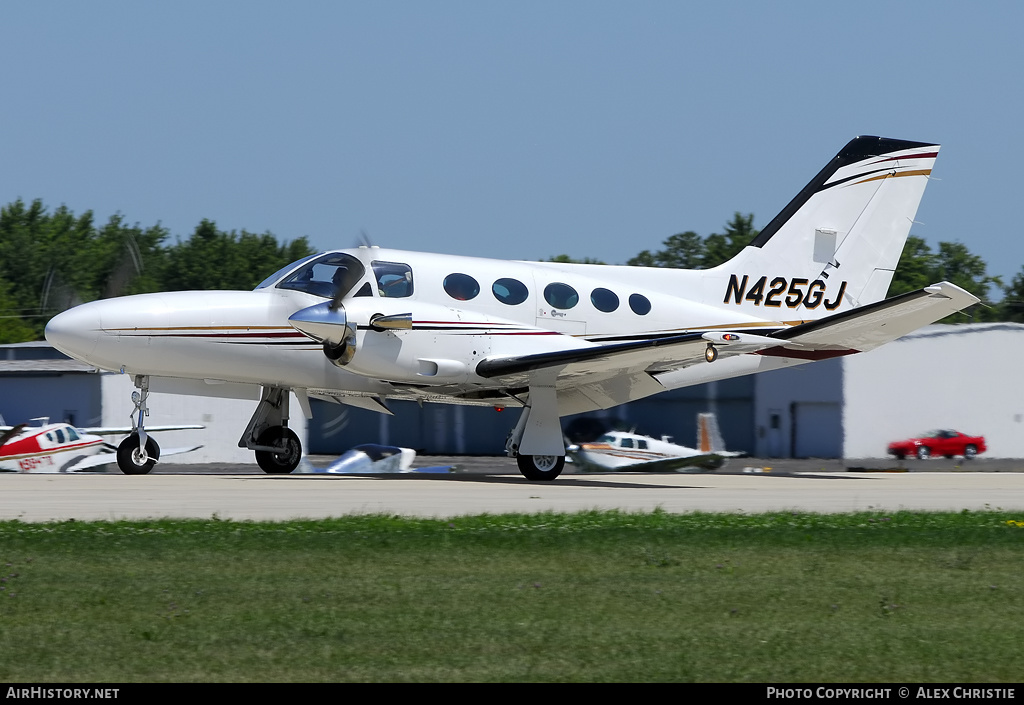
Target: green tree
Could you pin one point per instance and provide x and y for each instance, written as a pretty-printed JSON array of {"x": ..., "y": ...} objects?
[
  {"x": 215, "y": 259},
  {"x": 920, "y": 267},
  {"x": 680, "y": 251},
  {"x": 51, "y": 261},
  {"x": 1011, "y": 308},
  {"x": 719, "y": 248},
  {"x": 916, "y": 268},
  {"x": 566, "y": 259},
  {"x": 13, "y": 326}
]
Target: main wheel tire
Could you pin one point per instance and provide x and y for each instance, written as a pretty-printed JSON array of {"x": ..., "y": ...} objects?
[
  {"x": 283, "y": 461},
  {"x": 540, "y": 467},
  {"x": 131, "y": 461},
  {"x": 923, "y": 453},
  {"x": 970, "y": 452}
]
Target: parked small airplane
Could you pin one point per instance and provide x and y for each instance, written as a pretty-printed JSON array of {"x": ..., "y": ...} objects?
[
  {"x": 621, "y": 451},
  {"x": 367, "y": 325},
  {"x": 60, "y": 447},
  {"x": 375, "y": 459}
]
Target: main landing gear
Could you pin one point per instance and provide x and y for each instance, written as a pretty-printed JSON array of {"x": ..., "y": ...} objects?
[
  {"x": 138, "y": 453},
  {"x": 278, "y": 449},
  {"x": 540, "y": 467},
  {"x": 536, "y": 441}
]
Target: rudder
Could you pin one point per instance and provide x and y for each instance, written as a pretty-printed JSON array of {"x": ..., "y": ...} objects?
[{"x": 835, "y": 246}]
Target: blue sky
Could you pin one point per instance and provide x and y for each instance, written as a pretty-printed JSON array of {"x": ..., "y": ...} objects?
[{"x": 496, "y": 129}]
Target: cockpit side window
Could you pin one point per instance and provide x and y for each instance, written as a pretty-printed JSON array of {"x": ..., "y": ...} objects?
[
  {"x": 326, "y": 276},
  {"x": 394, "y": 280}
]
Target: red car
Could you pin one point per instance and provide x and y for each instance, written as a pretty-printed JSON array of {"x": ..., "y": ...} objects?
[{"x": 944, "y": 443}]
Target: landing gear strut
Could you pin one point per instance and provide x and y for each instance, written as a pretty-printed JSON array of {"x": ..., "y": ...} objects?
[
  {"x": 536, "y": 442},
  {"x": 278, "y": 449},
  {"x": 138, "y": 453}
]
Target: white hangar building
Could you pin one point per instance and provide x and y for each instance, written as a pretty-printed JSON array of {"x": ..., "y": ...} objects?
[{"x": 963, "y": 377}]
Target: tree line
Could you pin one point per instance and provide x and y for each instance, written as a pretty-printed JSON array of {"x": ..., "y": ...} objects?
[{"x": 50, "y": 261}]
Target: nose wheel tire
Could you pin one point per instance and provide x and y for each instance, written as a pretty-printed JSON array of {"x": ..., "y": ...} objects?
[
  {"x": 540, "y": 467},
  {"x": 133, "y": 460},
  {"x": 284, "y": 460}
]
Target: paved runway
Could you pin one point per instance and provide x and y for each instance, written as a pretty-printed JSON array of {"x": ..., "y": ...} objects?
[{"x": 266, "y": 497}]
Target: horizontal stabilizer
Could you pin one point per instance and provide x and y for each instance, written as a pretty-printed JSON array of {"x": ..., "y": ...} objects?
[{"x": 870, "y": 326}]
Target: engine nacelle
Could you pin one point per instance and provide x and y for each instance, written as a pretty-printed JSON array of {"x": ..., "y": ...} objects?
[{"x": 430, "y": 347}]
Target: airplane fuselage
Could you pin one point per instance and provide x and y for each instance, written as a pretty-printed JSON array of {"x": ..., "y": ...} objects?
[{"x": 463, "y": 310}]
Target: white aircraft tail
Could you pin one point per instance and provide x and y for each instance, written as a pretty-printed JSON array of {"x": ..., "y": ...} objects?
[
  {"x": 709, "y": 437},
  {"x": 836, "y": 245}
]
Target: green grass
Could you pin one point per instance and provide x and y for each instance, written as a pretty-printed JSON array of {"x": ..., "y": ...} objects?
[{"x": 598, "y": 596}]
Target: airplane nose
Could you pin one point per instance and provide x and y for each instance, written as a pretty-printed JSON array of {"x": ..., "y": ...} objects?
[{"x": 75, "y": 331}]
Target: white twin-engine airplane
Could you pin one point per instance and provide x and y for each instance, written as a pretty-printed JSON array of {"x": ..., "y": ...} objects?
[{"x": 366, "y": 325}]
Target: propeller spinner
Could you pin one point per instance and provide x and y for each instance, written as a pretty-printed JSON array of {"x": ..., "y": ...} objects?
[{"x": 329, "y": 324}]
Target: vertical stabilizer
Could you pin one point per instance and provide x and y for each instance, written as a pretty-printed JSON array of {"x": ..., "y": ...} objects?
[
  {"x": 709, "y": 437},
  {"x": 836, "y": 244}
]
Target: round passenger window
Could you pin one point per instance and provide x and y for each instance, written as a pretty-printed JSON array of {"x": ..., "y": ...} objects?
[
  {"x": 461, "y": 287},
  {"x": 640, "y": 304},
  {"x": 510, "y": 291},
  {"x": 561, "y": 295},
  {"x": 604, "y": 300}
]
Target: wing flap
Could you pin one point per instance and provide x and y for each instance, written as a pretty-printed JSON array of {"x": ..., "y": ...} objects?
[{"x": 612, "y": 358}]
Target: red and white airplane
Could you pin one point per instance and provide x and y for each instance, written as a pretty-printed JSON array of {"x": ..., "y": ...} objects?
[
  {"x": 368, "y": 325},
  {"x": 60, "y": 447}
]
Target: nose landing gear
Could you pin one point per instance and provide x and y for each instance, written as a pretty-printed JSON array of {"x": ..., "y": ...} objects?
[{"x": 138, "y": 453}]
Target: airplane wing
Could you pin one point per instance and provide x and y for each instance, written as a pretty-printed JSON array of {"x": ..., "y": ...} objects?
[
  {"x": 118, "y": 430},
  {"x": 646, "y": 354},
  {"x": 695, "y": 463},
  {"x": 859, "y": 330}
]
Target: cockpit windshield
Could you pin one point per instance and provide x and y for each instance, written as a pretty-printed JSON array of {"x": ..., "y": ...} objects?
[
  {"x": 282, "y": 271},
  {"x": 327, "y": 275}
]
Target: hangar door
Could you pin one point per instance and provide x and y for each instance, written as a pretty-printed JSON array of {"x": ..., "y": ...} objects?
[{"x": 817, "y": 429}]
